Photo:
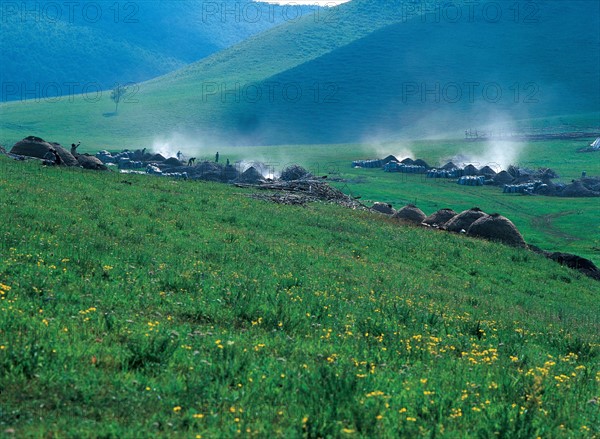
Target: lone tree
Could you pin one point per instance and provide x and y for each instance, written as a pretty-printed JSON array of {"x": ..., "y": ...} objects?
[{"x": 117, "y": 94}]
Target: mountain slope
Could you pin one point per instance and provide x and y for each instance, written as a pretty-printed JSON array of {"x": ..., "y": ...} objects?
[
  {"x": 40, "y": 65},
  {"x": 100, "y": 43},
  {"x": 449, "y": 78},
  {"x": 169, "y": 100},
  {"x": 365, "y": 70}
]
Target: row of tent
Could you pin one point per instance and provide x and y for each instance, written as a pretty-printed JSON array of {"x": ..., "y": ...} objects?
[
  {"x": 471, "y": 180},
  {"x": 419, "y": 166},
  {"x": 407, "y": 169},
  {"x": 460, "y": 172},
  {"x": 515, "y": 180},
  {"x": 381, "y": 163},
  {"x": 376, "y": 163}
]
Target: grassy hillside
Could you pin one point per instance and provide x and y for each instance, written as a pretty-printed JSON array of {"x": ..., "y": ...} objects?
[
  {"x": 182, "y": 309},
  {"x": 51, "y": 44},
  {"x": 349, "y": 75},
  {"x": 420, "y": 78},
  {"x": 179, "y": 95},
  {"x": 557, "y": 224},
  {"x": 135, "y": 306}
]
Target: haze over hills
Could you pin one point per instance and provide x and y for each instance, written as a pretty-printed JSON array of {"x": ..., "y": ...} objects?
[
  {"x": 359, "y": 71},
  {"x": 70, "y": 45},
  {"x": 418, "y": 78}
]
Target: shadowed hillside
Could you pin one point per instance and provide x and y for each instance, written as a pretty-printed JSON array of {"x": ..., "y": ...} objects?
[
  {"x": 362, "y": 70},
  {"x": 422, "y": 78}
]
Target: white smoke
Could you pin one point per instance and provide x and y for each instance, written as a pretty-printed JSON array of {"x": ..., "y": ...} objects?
[
  {"x": 498, "y": 154},
  {"x": 380, "y": 146},
  {"x": 174, "y": 143},
  {"x": 267, "y": 170},
  {"x": 190, "y": 145},
  {"x": 497, "y": 150}
]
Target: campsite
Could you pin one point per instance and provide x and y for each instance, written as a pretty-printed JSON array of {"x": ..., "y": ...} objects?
[
  {"x": 202, "y": 340},
  {"x": 272, "y": 220}
]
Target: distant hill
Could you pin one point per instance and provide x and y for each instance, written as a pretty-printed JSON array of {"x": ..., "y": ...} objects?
[
  {"x": 419, "y": 78},
  {"x": 64, "y": 47},
  {"x": 357, "y": 72}
]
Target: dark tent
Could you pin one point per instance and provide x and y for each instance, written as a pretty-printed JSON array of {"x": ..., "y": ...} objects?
[
  {"x": 420, "y": 162},
  {"x": 251, "y": 176},
  {"x": 497, "y": 228},
  {"x": 449, "y": 166},
  {"x": 383, "y": 208},
  {"x": 440, "y": 217},
  {"x": 172, "y": 161},
  {"x": 90, "y": 162},
  {"x": 487, "y": 171},
  {"x": 502, "y": 178},
  {"x": 577, "y": 189},
  {"x": 36, "y": 147},
  {"x": 463, "y": 220},
  {"x": 470, "y": 170},
  {"x": 157, "y": 158},
  {"x": 410, "y": 213},
  {"x": 389, "y": 158}
]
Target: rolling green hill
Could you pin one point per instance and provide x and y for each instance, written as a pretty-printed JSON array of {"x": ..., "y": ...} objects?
[
  {"x": 135, "y": 306},
  {"x": 362, "y": 70},
  {"x": 418, "y": 79},
  {"x": 62, "y": 48},
  {"x": 552, "y": 223}
]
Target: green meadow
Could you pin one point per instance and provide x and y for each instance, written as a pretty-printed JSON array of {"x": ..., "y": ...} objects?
[
  {"x": 552, "y": 223},
  {"x": 133, "y": 306},
  {"x": 345, "y": 75}
]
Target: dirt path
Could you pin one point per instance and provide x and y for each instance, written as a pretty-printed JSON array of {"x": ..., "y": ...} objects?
[{"x": 545, "y": 224}]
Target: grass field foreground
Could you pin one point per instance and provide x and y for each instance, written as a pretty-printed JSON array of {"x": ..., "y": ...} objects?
[{"x": 133, "y": 306}]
